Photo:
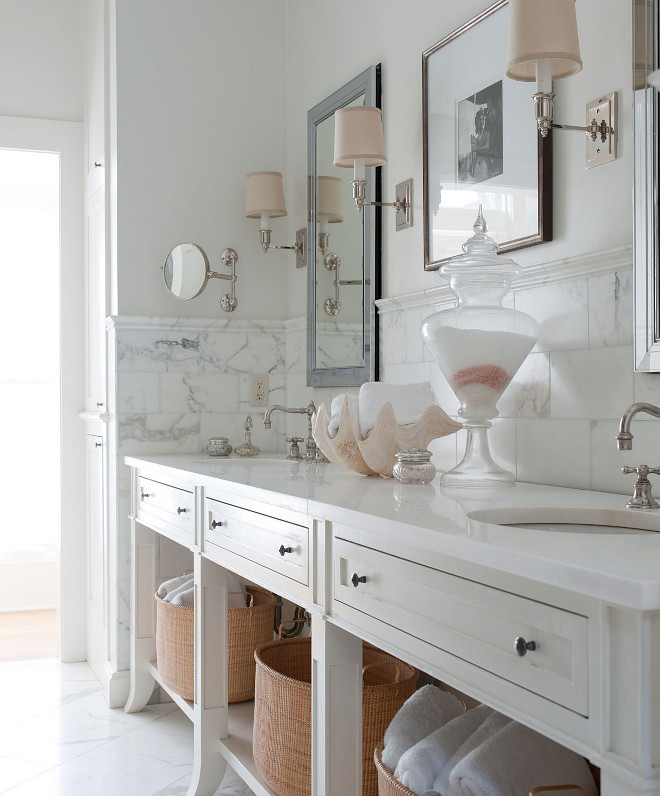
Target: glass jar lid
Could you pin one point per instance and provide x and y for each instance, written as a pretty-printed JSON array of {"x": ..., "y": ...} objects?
[
  {"x": 417, "y": 455},
  {"x": 481, "y": 258}
]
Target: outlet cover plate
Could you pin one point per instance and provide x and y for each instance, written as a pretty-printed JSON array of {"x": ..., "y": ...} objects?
[
  {"x": 602, "y": 109},
  {"x": 258, "y": 389}
]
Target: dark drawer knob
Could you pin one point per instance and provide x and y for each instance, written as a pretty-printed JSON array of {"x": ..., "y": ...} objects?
[
  {"x": 181, "y": 511},
  {"x": 522, "y": 647},
  {"x": 357, "y": 579},
  {"x": 216, "y": 524},
  {"x": 144, "y": 495},
  {"x": 284, "y": 550},
  {"x": 98, "y": 444}
]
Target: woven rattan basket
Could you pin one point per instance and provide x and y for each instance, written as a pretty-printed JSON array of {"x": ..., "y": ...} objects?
[
  {"x": 247, "y": 628},
  {"x": 282, "y": 738},
  {"x": 388, "y": 786}
]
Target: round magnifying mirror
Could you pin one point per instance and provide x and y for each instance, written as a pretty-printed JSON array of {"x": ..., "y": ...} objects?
[{"x": 186, "y": 270}]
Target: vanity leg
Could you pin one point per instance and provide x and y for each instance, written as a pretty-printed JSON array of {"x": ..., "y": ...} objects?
[
  {"x": 211, "y": 711},
  {"x": 144, "y": 557},
  {"x": 336, "y": 711}
]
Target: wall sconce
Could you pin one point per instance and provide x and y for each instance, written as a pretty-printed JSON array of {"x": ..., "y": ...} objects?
[
  {"x": 264, "y": 199},
  {"x": 543, "y": 45},
  {"x": 358, "y": 144},
  {"x": 328, "y": 208}
]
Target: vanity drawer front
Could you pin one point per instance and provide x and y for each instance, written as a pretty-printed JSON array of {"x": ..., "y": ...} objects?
[
  {"x": 474, "y": 622},
  {"x": 166, "y": 503},
  {"x": 276, "y": 544}
]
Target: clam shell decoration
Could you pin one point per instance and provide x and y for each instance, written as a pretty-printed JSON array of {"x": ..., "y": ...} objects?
[{"x": 376, "y": 455}]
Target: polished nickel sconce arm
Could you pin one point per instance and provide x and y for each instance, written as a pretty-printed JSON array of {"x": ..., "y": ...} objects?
[
  {"x": 229, "y": 301},
  {"x": 332, "y": 262},
  {"x": 402, "y": 205}
]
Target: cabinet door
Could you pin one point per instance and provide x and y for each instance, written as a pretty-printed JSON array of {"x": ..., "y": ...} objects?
[
  {"x": 94, "y": 95},
  {"x": 96, "y": 304},
  {"x": 96, "y": 554}
]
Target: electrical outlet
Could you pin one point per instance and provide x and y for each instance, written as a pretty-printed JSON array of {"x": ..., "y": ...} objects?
[{"x": 258, "y": 389}]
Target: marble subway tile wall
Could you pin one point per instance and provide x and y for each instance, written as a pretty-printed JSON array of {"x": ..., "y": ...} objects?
[
  {"x": 559, "y": 416},
  {"x": 179, "y": 382}
]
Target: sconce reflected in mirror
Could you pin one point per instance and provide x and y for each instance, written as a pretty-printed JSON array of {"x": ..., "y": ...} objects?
[
  {"x": 544, "y": 46},
  {"x": 264, "y": 199},
  {"x": 186, "y": 273},
  {"x": 359, "y": 144},
  {"x": 328, "y": 208}
]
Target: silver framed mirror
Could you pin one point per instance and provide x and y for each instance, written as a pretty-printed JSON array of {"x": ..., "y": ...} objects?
[
  {"x": 343, "y": 251},
  {"x": 645, "y": 192}
]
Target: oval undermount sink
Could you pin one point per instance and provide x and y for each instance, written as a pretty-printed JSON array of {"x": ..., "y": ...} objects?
[{"x": 568, "y": 519}]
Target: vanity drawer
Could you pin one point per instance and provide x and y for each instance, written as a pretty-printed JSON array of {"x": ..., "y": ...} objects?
[
  {"x": 474, "y": 622},
  {"x": 279, "y": 545},
  {"x": 166, "y": 504}
]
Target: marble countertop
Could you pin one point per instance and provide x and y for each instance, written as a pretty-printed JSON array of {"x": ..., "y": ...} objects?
[{"x": 622, "y": 568}]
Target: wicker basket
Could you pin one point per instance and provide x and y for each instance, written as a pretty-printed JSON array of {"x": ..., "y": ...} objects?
[
  {"x": 282, "y": 738},
  {"x": 388, "y": 786},
  {"x": 247, "y": 628}
]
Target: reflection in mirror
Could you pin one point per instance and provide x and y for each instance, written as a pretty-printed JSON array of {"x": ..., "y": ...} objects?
[
  {"x": 645, "y": 124},
  {"x": 343, "y": 258},
  {"x": 186, "y": 270}
]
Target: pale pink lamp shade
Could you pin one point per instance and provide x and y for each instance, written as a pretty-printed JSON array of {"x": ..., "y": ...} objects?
[
  {"x": 359, "y": 134},
  {"x": 328, "y": 198},
  {"x": 264, "y": 194},
  {"x": 542, "y": 29}
]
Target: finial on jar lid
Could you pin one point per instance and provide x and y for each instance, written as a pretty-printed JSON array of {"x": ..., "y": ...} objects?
[{"x": 480, "y": 224}]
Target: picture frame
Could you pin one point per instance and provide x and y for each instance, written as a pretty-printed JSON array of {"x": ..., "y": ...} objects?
[{"x": 481, "y": 144}]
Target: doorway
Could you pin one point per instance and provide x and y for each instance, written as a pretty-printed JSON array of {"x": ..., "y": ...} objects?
[{"x": 42, "y": 539}]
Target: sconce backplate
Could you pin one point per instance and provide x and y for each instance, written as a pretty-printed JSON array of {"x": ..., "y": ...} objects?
[
  {"x": 301, "y": 247},
  {"x": 604, "y": 109},
  {"x": 404, "y": 193}
]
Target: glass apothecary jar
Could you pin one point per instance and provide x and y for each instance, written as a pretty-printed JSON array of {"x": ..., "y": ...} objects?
[
  {"x": 414, "y": 466},
  {"x": 479, "y": 346}
]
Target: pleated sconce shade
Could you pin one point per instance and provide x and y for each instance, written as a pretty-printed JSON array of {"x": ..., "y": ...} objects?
[
  {"x": 328, "y": 198},
  {"x": 542, "y": 29},
  {"x": 359, "y": 134},
  {"x": 264, "y": 194}
]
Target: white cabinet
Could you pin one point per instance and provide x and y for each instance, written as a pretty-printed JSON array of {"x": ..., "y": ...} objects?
[
  {"x": 96, "y": 204},
  {"x": 97, "y": 624}
]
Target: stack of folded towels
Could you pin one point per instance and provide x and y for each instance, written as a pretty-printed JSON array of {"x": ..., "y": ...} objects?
[
  {"x": 434, "y": 748},
  {"x": 181, "y": 591},
  {"x": 409, "y": 402}
]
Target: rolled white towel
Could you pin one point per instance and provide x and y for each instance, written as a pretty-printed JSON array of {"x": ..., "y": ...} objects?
[
  {"x": 422, "y": 764},
  {"x": 515, "y": 760},
  {"x": 184, "y": 598},
  {"x": 235, "y": 588},
  {"x": 487, "y": 728},
  {"x": 233, "y": 785},
  {"x": 335, "y": 411},
  {"x": 173, "y": 583},
  {"x": 409, "y": 402},
  {"x": 423, "y": 712},
  {"x": 183, "y": 587}
]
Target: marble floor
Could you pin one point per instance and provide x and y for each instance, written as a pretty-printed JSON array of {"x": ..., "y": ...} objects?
[{"x": 58, "y": 737}]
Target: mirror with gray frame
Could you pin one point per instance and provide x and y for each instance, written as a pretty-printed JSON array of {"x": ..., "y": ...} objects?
[
  {"x": 343, "y": 251},
  {"x": 646, "y": 230}
]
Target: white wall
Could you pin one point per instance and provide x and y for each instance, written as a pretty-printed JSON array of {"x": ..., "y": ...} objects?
[
  {"x": 41, "y": 58},
  {"x": 201, "y": 101},
  {"x": 592, "y": 209}
]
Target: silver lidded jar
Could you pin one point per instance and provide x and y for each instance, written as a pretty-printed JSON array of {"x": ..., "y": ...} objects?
[
  {"x": 218, "y": 446},
  {"x": 414, "y": 466}
]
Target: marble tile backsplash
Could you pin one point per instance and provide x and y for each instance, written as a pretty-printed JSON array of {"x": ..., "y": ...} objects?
[{"x": 559, "y": 416}]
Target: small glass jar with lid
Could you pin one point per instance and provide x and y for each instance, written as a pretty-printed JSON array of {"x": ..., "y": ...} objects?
[{"x": 414, "y": 466}]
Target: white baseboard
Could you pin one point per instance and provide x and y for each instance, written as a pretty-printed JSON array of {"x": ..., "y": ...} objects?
[{"x": 116, "y": 686}]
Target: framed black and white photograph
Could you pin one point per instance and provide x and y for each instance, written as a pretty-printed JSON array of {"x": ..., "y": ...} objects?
[{"x": 481, "y": 145}]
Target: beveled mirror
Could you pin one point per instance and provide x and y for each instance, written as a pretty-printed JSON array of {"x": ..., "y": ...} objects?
[
  {"x": 645, "y": 128},
  {"x": 186, "y": 273},
  {"x": 343, "y": 251}
]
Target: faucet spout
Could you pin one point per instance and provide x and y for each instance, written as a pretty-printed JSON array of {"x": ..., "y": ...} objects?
[{"x": 624, "y": 437}]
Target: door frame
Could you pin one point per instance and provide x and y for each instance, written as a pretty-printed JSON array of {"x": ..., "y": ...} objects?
[{"x": 66, "y": 139}]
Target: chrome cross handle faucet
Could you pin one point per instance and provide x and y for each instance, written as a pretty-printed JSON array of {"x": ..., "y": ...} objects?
[
  {"x": 624, "y": 437},
  {"x": 312, "y": 452},
  {"x": 642, "y": 497}
]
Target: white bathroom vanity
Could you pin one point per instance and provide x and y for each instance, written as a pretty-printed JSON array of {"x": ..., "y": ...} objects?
[{"x": 542, "y": 602}]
